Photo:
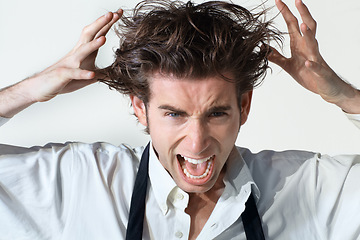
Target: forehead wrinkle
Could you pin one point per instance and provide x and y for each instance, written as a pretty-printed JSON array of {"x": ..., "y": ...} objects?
[
  {"x": 193, "y": 96},
  {"x": 199, "y": 101}
]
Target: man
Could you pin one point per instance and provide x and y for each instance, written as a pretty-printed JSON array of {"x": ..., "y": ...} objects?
[{"x": 184, "y": 68}]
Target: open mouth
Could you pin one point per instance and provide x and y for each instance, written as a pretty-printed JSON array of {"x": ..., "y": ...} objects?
[{"x": 196, "y": 171}]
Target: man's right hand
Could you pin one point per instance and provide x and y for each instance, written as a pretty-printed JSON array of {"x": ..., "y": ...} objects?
[{"x": 72, "y": 72}]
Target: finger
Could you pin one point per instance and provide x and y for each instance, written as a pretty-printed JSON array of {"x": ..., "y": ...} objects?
[
  {"x": 80, "y": 74},
  {"x": 278, "y": 58},
  {"x": 86, "y": 49},
  {"x": 116, "y": 16},
  {"x": 305, "y": 15},
  {"x": 311, "y": 42},
  {"x": 290, "y": 20},
  {"x": 68, "y": 74},
  {"x": 76, "y": 85},
  {"x": 89, "y": 32}
]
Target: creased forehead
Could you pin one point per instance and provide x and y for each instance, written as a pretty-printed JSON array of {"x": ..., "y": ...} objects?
[{"x": 199, "y": 93}]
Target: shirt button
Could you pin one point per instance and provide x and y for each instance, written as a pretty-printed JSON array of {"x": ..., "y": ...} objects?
[
  {"x": 179, "y": 234},
  {"x": 164, "y": 207},
  {"x": 180, "y": 196}
]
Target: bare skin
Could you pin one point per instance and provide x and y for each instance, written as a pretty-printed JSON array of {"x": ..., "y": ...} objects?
[
  {"x": 201, "y": 206},
  {"x": 75, "y": 71},
  {"x": 307, "y": 66},
  {"x": 203, "y": 118},
  {"x": 310, "y": 70}
]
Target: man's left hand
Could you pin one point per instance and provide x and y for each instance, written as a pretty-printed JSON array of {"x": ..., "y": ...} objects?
[{"x": 306, "y": 64}]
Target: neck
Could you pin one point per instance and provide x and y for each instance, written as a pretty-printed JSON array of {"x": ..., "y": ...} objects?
[
  {"x": 201, "y": 205},
  {"x": 214, "y": 193}
]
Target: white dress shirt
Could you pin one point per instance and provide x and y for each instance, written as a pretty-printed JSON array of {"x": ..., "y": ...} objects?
[{"x": 83, "y": 191}]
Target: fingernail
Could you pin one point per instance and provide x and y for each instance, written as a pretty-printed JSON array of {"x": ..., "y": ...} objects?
[
  {"x": 90, "y": 74},
  {"x": 100, "y": 39}
]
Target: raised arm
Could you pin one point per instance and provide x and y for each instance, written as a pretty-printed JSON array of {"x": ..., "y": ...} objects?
[
  {"x": 72, "y": 72},
  {"x": 306, "y": 64}
]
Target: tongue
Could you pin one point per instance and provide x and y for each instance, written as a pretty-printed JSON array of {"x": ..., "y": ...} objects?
[{"x": 196, "y": 169}]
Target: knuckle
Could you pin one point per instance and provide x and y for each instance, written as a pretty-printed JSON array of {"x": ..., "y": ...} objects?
[
  {"x": 72, "y": 61},
  {"x": 60, "y": 71},
  {"x": 294, "y": 21},
  {"x": 95, "y": 43},
  {"x": 86, "y": 30},
  {"x": 315, "y": 24}
]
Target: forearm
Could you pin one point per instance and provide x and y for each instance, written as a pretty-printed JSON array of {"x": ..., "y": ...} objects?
[
  {"x": 72, "y": 72},
  {"x": 14, "y": 99},
  {"x": 349, "y": 100}
]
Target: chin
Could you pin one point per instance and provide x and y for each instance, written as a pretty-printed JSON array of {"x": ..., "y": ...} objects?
[{"x": 191, "y": 188}]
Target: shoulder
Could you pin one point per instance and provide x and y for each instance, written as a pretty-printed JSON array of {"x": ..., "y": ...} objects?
[
  {"x": 76, "y": 148},
  {"x": 301, "y": 171},
  {"x": 106, "y": 157},
  {"x": 286, "y": 163},
  {"x": 71, "y": 156},
  {"x": 274, "y": 171},
  {"x": 283, "y": 162},
  {"x": 313, "y": 183},
  {"x": 338, "y": 176},
  {"x": 73, "y": 177},
  {"x": 105, "y": 151}
]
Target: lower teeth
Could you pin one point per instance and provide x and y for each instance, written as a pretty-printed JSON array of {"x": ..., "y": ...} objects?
[{"x": 186, "y": 172}]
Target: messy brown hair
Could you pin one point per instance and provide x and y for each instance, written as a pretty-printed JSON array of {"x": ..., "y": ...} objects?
[{"x": 187, "y": 40}]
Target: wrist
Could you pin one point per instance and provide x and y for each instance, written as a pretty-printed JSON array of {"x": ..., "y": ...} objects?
[
  {"x": 14, "y": 99},
  {"x": 349, "y": 101}
]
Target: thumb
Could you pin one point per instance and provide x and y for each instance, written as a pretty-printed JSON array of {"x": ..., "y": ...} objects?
[{"x": 277, "y": 58}]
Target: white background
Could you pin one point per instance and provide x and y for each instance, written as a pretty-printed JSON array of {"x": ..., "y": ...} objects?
[{"x": 36, "y": 33}]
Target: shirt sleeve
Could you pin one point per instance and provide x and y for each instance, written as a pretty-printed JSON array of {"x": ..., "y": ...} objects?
[
  {"x": 355, "y": 118},
  {"x": 3, "y": 120},
  {"x": 33, "y": 190},
  {"x": 66, "y": 191},
  {"x": 337, "y": 193},
  {"x": 337, "y": 196}
]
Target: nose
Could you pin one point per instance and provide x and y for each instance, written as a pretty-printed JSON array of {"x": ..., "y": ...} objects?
[{"x": 198, "y": 139}]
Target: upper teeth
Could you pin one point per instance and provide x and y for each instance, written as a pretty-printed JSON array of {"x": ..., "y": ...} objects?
[{"x": 196, "y": 161}]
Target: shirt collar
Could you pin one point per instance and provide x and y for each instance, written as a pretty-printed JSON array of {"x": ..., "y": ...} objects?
[
  {"x": 161, "y": 181},
  {"x": 237, "y": 177}
]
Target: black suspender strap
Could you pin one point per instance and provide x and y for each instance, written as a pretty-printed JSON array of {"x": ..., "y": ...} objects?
[
  {"x": 137, "y": 207},
  {"x": 250, "y": 217},
  {"x": 251, "y": 220}
]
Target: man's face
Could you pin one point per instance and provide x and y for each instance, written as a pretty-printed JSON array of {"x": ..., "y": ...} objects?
[{"x": 193, "y": 125}]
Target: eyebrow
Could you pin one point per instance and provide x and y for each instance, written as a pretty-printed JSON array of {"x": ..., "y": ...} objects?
[
  {"x": 220, "y": 108},
  {"x": 172, "y": 109},
  {"x": 211, "y": 110}
]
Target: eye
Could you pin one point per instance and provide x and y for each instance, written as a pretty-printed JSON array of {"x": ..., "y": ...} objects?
[
  {"x": 173, "y": 114},
  {"x": 218, "y": 114}
]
